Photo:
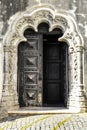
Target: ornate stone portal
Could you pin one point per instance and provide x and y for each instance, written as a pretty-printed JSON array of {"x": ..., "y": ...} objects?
[{"x": 31, "y": 19}]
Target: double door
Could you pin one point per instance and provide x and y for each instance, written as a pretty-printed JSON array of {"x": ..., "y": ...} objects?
[{"x": 41, "y": 71}]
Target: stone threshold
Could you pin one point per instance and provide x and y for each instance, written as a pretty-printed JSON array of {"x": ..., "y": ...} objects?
[{"x": 41, "y": 110}]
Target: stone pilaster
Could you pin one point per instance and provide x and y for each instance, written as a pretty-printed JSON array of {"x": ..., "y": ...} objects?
[
  {"x": 10, "y": 98},
  {"x": 1, "y": 68},
  {"x": 77, "y": 98}
]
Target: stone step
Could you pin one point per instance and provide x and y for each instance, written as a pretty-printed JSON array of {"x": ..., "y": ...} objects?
[{"x": 41, "y": 110}]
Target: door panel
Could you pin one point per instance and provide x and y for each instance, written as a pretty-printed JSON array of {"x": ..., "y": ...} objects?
[
  {"x": 52, "y": 71},
  {"x": 52, "y": 93}
]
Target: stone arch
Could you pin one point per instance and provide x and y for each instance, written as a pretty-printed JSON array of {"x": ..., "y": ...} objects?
[{"x": 71, "y": 35}]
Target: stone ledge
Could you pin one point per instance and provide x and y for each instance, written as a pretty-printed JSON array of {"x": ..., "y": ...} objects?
[{"x": 42, "y": 110}]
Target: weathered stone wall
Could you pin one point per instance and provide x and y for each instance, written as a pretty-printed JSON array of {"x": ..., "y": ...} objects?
[{"x": 9, "y": 7}]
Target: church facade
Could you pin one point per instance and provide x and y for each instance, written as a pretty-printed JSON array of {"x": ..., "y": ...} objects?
[{"x": 43, "y": 55}]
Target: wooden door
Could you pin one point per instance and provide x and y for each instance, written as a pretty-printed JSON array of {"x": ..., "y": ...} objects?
[
  {"x": 53, "y": 84},
  {"x": 29, "y": 71}
]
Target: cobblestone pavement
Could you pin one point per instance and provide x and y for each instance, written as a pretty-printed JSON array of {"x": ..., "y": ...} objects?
[{"x": 46, "y": 122}]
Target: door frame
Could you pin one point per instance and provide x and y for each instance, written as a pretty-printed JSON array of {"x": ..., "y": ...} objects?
[{"x": 71, "y": 35}]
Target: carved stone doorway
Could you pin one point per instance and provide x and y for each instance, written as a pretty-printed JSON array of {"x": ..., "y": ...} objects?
[{"x": 31, "y": 18}]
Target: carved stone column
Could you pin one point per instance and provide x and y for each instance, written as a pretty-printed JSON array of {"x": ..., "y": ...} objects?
[
  {"x": 77, "y": 99},
  {"x": 80, "y": 80},
  {"x": 1, "y": 68},
  {"x": 9, "y": 92},
  {"x": 13, "y": 76},
  {"x": 5, "y": 93}
]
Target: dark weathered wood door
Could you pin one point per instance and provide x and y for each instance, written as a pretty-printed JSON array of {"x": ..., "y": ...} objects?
[
  {"x": 28, "y": 70},
  {"x": 52, "y": 73}
]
